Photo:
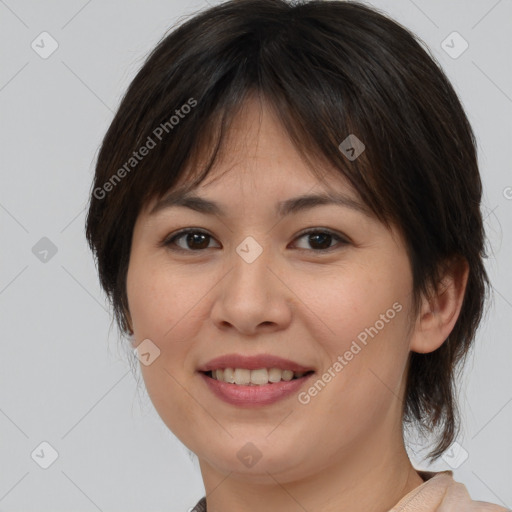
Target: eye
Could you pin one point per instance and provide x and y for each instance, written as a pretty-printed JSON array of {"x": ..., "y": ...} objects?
[
  {"x": 322, "y": 239},
  {"x": 196, "y": 240}
]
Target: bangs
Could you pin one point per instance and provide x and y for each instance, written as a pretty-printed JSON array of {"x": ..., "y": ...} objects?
[
  {"x": 211, "y": 143},
  {"x": 318, "y": 111}
]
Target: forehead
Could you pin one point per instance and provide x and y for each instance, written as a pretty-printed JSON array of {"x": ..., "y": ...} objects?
[
  {"x": 281, "y": 187},
  {"x": 282, "y": 208},
  {"x": 257, "y": 158}
]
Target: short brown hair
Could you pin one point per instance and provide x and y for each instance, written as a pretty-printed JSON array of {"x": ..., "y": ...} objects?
[{"x": 328, "y": 69}]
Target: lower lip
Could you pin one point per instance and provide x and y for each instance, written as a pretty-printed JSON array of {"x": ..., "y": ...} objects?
[{"x": 251, "y": 396}]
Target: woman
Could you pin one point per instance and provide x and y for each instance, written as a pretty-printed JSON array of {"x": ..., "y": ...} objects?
[{"x": 255, "y": 133}]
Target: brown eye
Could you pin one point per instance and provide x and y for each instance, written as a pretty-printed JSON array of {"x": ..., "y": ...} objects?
[
  {"x": 194, "y": 240},
  {"x": 321, "y": 240}
]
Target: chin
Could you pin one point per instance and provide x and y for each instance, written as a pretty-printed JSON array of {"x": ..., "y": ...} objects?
[{"x": 245, "y": 461}]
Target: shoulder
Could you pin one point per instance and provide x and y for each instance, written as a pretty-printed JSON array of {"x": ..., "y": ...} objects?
[{"x": 441, "y": 493}]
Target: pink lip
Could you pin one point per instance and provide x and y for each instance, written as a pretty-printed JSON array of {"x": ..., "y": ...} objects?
[
  {"x": 253, "y": 363},
  {"x": 254, "y": 396}
]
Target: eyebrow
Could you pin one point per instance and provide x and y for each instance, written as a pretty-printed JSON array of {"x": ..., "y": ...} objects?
[{"x": 283, "y": 208}]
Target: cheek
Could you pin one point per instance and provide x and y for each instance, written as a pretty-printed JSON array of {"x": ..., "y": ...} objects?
[
  {"x": 166, "y": 317},
  {"x": 354, "y": 303},
  {"x": 162, "y": 300},
  {"x": 363, "y": 330}
]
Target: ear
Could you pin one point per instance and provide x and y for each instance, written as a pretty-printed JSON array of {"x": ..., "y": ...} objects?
[{"x": 439, "y": 312}]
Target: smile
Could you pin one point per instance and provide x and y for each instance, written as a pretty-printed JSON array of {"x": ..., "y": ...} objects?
[
  {"x": 254, "y": 395},
  {"x": 258, "y": 377}
]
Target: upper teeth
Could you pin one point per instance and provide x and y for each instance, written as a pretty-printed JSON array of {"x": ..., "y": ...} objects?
[{"x": 244, "y": 377}]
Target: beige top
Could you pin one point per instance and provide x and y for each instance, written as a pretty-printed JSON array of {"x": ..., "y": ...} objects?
[{"x": 439, "y": 493}]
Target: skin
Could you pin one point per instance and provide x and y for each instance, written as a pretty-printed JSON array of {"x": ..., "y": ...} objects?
[{"x": 343, "y": 451}]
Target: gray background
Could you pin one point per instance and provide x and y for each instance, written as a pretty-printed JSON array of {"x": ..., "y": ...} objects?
[{"x": 64, "y": 376}]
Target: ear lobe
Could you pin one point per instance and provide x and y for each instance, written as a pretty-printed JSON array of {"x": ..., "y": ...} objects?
[{"x": 439, "y": 312}]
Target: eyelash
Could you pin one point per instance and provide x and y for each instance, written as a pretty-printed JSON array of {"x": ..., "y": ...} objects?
[{"x": 169, "y": 241}]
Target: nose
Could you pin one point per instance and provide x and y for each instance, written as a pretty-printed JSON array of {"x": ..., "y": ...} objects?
[{"x": 252, "y": 297}]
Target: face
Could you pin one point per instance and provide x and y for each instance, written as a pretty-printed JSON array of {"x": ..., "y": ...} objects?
[{"x": 249, "y": 282}]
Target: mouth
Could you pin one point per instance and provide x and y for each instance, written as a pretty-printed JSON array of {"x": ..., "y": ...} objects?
[
  {"x": 256, "y": 377},
  {"x": 259, "y": 387}
]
